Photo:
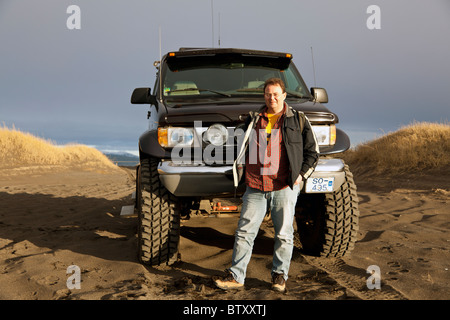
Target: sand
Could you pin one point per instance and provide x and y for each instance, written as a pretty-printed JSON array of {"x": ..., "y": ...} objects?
[{"x": 52, "y": 218}]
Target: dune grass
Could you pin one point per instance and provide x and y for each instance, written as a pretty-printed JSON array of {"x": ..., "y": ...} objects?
[
  {"x": 417, "y": 147},
  {"x": 24, "y": 149}
]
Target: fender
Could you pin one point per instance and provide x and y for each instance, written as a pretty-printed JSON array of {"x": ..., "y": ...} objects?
[
  {"x": 149, "y": 146},
  {"x": 342, "y": 144}
]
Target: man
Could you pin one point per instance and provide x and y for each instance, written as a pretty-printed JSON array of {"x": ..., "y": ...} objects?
[{"x": 280, "y": 152}]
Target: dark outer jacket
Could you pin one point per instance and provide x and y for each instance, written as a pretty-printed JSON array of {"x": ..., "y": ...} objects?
[{"x": 298, "y": 137}]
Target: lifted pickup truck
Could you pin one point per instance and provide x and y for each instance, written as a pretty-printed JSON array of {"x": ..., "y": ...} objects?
[{"x": 199, "y": 102}]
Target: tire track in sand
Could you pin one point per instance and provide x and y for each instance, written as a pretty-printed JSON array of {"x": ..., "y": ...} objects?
[
  {"x": 354, "y": 279},
  {"x": 351, "y": 278}
]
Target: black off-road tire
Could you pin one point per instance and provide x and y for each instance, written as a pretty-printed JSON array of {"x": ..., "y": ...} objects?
[
  {"x": 327, "y": 224},
  {"x": 158, "y": 216}
]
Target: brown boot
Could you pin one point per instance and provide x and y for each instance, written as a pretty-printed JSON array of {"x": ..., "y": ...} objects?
[
  {"x": 227, "y": 282},
  {"x": 278, "y": 282}
]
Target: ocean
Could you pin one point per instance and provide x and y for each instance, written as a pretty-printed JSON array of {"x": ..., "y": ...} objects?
[{"x": 120, "y": 155}]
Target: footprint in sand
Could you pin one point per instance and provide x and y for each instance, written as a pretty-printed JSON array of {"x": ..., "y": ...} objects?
[
  {"x": 396, "y": 265},
  {"x": 49, "y": 280}
]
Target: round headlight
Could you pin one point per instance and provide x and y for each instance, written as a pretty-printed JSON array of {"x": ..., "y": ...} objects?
[
  {"x": 180, "y": 137},
  {"x": 216, "y": 134}
]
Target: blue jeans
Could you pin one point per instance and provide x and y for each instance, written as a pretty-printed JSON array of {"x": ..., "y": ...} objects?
[{"x": 282, "y": 206}]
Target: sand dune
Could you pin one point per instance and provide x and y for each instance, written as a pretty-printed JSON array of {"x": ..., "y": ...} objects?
[
  {"x": 23, "y": 151},
  {"x": 51, "y": 219},
  {"x": 411, "y": 149}
]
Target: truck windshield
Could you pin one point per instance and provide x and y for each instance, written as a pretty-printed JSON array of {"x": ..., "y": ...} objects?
[{"x": 229, "y": 79}]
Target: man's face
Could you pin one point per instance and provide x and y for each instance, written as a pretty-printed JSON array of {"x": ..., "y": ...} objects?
[{"x": 274, "y": 97}]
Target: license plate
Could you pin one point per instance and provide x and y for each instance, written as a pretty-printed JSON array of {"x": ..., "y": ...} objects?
[{"x": 319, "y": 185}]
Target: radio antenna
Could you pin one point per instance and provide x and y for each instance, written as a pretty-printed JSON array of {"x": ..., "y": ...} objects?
[
  {"x": 212, "y": 22},
  {"x": 219, "y": 29},
  {"x": 160, "y": 63},
  {"x": 314, "y": 67}
]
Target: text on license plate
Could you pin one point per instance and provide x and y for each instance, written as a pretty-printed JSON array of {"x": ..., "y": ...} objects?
[{"x": 319, "y": 185}]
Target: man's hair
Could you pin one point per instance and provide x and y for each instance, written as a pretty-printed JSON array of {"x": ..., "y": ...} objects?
[{"x": 275, "y": 82}]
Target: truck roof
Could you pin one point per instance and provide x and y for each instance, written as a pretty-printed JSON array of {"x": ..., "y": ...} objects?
[
  {"x": 184, "y": 57},
  {"x": 213, "y": 51}
]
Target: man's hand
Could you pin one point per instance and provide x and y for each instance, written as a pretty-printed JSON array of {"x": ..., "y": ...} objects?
[{"x": 299, "y": 179}]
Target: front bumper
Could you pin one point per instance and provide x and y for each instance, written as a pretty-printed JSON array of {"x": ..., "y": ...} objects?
[{"x": 205, "y": 181}]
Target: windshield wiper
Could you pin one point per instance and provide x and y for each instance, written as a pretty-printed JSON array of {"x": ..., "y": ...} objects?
[{"x": 200, "y": 90}]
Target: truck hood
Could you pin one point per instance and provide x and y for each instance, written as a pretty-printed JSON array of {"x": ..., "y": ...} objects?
[{"x": 234, "y": 111}]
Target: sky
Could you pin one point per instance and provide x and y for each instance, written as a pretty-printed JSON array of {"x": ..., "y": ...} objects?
[{"x": 74, "y": 85}]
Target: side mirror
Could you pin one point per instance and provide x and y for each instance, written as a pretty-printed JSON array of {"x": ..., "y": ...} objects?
[
  {"x": 143, "y": 96},
  {"x": 319, "y": 94}
]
